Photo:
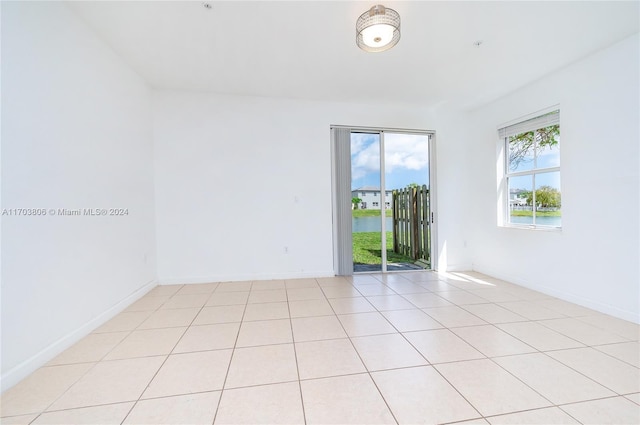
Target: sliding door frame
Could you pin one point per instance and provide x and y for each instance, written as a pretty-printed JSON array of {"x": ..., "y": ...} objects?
[{"x": 339, "y": 173}]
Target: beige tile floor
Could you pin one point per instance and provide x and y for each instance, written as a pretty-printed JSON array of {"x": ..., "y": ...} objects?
[{"x": 408, "y": 348}]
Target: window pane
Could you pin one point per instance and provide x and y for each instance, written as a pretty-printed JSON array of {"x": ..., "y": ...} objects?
[
  {"x": 521, "y": 152},
  {"x": 548, "y": 147},
  {"x": 548, "y": 199},
  {"x": 406, "y": 159},
  {"x": 366, "y": 217},
  {"x": 520, "y": 200}
]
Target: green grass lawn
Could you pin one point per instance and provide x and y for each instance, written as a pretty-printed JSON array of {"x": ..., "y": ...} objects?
[
  {"x": 524, "y": 213},
  {"x": 370, "y": 213},
  {"x": 367, "y": 249}
]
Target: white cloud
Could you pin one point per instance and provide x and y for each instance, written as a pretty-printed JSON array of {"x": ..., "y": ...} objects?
[
  {"x": 402, "y": 151},
  {"x": 360, "y": 140},
  {"x": 365, "y": 155},
  {"x": 410, "y": 151}
]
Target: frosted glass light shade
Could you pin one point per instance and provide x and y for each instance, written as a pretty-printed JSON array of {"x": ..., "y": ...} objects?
[
  {"x": 377, "y": 35},
  {"x": 378, "y": 29}
]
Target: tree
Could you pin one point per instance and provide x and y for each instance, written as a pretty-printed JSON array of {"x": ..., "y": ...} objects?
[
  {"x": 356, "y": 202},
  {"x": 546, "y": 197},
  {"x": 521, "y": 145}
]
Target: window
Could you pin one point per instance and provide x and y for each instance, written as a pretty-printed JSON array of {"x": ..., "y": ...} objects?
[
  {"x": 363, "y": 193},
  {"x": 532, "y": 172},
  {"x": 375, "y": 204}
]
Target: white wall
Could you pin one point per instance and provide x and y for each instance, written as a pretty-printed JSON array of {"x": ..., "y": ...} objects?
[
  {"x": 454, "y": 201},
  {"x": 238, "y": 179},
  {"x": 76, "y": 133},
  {"x": 594, "y": 259}
]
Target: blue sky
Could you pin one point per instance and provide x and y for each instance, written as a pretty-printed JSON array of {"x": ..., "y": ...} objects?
[
  {"x": 406, "y": 160},
  {"x": 546, "y": 158}
]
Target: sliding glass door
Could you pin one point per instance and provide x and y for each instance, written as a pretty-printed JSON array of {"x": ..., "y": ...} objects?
[
  {"x": 388, "y": 175},
  {"x": 367, "y": 202},
  {"x": 406, "y": 179}
]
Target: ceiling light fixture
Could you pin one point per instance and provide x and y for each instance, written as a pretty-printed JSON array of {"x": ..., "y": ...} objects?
[{"x": 378, "y": 29}]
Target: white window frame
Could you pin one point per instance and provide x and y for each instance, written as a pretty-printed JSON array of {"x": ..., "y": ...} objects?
[{"x": 516, "y": 127}]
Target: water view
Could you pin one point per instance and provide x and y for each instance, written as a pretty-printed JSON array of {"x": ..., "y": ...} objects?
[
  {"x": 369, "y": 224},
  {"x": 540, "y": 220},
  {"x": 372, "y": 224}
]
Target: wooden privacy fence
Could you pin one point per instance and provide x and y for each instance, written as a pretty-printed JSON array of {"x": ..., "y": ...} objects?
[{"x": 411, "y": 215}]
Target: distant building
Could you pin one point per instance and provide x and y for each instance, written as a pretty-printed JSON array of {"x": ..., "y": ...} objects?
[
  {"x": 371, "y": 198},
  {"x": 517, "y": 198}
]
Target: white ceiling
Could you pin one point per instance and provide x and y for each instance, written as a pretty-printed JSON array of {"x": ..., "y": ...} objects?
[{"x": 307, "y": 50}]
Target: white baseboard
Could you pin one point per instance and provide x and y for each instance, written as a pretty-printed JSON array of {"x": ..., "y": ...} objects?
[
  {"x": 573, "y": 298},
  {"x": 243, "y": 277},
  {"x": 24, "y": 369}
]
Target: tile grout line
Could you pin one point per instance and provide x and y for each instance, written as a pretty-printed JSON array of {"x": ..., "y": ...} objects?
[
  {"x": 428, "y": 362},
  {"x": 295, "y": 354},
  {"x": 595, "y": 347},
  {"x": 129, "y": 332},
  {"x": 578, "y": 372},
  {"x": 491, "y": 359},
  {"x": 432, "y": 365},
  {"x": 579, "y": 318},
  {"x": 616, "y": 394},
  {"x": 538, "y": 352},
  {"x": 233, "y": 351},
  {"x": 558, "y": 406},
  {"x": 545, "y": 352},
  {"x": 97, "y": 362},
  {"x": 541, "y": 322},
  {"x": 167, "y": 355},
  {"x": 368, "y": 372},
  {"x": 494, "y": 362}
]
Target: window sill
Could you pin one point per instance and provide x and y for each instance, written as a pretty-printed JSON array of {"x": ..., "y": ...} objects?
[{"x": 529, "y": 227}]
